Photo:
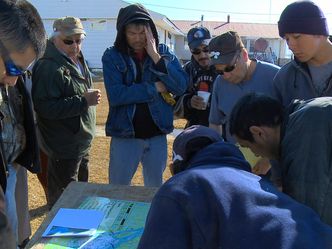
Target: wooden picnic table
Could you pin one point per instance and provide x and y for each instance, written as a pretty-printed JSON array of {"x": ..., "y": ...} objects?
[{"x": 76, "y": 192}]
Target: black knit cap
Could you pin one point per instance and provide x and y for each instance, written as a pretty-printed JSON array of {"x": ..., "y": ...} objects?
[{"x": 303, "y": 17}]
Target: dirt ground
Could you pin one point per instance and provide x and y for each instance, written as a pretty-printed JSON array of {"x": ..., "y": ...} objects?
[{"x": 99, "y": 155}]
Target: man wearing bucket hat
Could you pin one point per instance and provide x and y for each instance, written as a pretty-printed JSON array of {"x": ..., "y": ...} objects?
[
  {"x": 304, "y": 27},
  {"x": 238, "y": 75},
  {"x": 65, "y": 108},
  {"x": 192, "y": 106},
  {"x": 214, "y": 201}
]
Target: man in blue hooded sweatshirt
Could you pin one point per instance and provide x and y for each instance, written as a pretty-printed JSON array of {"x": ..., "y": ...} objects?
[
  {"x": 214, "y": 201},
  {"x": 139, "y": 75}
]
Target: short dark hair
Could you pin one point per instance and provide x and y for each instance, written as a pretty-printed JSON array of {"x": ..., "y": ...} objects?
[
  {"x": 21, "y": 27},
  {"x": 254, "y": 109}
]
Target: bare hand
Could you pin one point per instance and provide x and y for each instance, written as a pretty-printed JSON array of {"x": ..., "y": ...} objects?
[
  {"x": 92, "y": 97},
  {"x": 197, "y": 102},
  {"x": 151, "y": 45},
  {"x": 160, "y": 87},
  {"x": 261, "y": 167}
]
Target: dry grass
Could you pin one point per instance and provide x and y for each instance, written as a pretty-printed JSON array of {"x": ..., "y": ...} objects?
[{"x": 99, "y": 156}]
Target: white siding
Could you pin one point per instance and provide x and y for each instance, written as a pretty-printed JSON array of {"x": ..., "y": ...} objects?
[
  {"x": 99, "y": 37},
  {"x": 99, "y": 21}
]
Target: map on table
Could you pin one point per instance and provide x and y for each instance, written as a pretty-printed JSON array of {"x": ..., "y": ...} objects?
[{"x": 121, "y": 227}]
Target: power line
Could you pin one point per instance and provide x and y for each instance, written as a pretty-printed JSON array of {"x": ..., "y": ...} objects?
[
  {"x": 212, "y": 11},
  {"x": 203, "y": 10}
]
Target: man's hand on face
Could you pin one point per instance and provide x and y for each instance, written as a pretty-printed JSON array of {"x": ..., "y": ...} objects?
[
  {"x": 151, "y": 45},
  {"x": 197, "y": 102}
]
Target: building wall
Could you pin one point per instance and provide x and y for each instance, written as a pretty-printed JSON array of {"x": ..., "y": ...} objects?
[
  {"x": 182, "y": 49},
  {"x": 101, "y": 34}
]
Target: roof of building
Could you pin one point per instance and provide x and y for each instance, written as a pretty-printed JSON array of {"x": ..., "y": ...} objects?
[
  {"x": 94, "y": 9},
  {"x": 265, "y": 30}
]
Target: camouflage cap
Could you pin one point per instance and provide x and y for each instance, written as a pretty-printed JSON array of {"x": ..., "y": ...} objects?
[{"x": 69, "y": 25}]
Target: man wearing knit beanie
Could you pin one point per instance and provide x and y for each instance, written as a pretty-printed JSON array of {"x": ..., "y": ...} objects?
[{"x": 303, "y": 25}]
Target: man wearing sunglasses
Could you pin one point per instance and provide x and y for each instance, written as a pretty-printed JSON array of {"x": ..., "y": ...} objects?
[
  {"x": 201, "y": 77},
  {"x": 65, "y": 106},
  {"x": 238, "y": 75},
  {"x": 22, "y": 41}
]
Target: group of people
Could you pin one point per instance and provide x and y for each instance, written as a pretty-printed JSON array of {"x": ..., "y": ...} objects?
[
  {"x": 216, "y": 199},
  {"x": 54, "y": 115}
]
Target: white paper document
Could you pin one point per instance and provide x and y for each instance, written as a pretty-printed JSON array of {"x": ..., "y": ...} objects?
[{"x": 74, "y": 223}]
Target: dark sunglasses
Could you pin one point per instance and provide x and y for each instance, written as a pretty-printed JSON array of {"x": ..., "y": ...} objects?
[
  {"x": 228, "y": 69},
  {"x": 70, "y": 42},
  {"x": 197, "y": 51},
  {"x": 11, "y": 68}
]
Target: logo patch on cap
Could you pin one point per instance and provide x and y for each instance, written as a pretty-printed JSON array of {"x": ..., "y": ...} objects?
[
  {"x": 215, "y": 55},
  {"x": 199, "y": 34}
]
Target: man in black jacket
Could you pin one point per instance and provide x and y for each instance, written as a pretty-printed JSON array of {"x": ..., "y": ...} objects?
[
  {"x": 192, "y": 105},
  {"x": 22, "y": 41}
]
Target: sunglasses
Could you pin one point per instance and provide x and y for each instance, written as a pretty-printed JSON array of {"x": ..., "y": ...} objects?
[
  {"x": 70, "y": 42},
  {"x": 197, "y": 51},
  {"x": 11, "y": 68},
  {"x": 228, "y": 69}
]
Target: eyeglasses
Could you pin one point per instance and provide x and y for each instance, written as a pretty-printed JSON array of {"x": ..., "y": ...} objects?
[
  {"x": 197, "y": 51},
  {"x": 70, "y": 42},
  {"x": 11, "y": 68},
  {"x": 228, "y": 68}
]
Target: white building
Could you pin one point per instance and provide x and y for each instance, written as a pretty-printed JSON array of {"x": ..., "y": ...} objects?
[
  {"x": 99, "y": 21},
  {"x": 249, "y": 33}
]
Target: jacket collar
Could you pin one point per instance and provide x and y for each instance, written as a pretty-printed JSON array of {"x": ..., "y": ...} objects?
[{"x": 220, "y": 154}]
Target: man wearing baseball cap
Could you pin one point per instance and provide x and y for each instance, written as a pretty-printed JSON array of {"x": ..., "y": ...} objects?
[
  {"x": 238, "y": 75},
  {"x": 65, "y": 108},
  {"x": 304, "y": 27},
  {"x": 214, "y": 201},
  {"x": 191, "y": 105}
]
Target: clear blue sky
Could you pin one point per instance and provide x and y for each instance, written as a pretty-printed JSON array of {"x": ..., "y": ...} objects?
[{"x": 266, "y": 11}]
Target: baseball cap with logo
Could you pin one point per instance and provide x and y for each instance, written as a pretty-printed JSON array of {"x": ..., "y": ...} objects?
[
  {"x": 198, "y": 36},
  {"x": 68, "y": 25},
  {"x": 223, "y": 48},
  {"x": 191, "y": 140}
]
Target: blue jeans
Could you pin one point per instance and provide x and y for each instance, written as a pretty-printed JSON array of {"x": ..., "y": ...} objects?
[
  {"x": 11, "y": 200},
  {"x": 126, "y": 153}
]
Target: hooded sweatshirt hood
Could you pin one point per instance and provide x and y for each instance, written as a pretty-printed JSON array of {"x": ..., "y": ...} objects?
[{"x": 132, "y": 14}]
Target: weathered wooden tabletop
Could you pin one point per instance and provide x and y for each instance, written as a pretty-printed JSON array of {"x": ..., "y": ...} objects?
[{"x": 76, "y": 192}]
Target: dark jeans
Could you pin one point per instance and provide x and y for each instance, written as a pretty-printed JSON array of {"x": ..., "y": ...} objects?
[{"x": 63, "y": 171}]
